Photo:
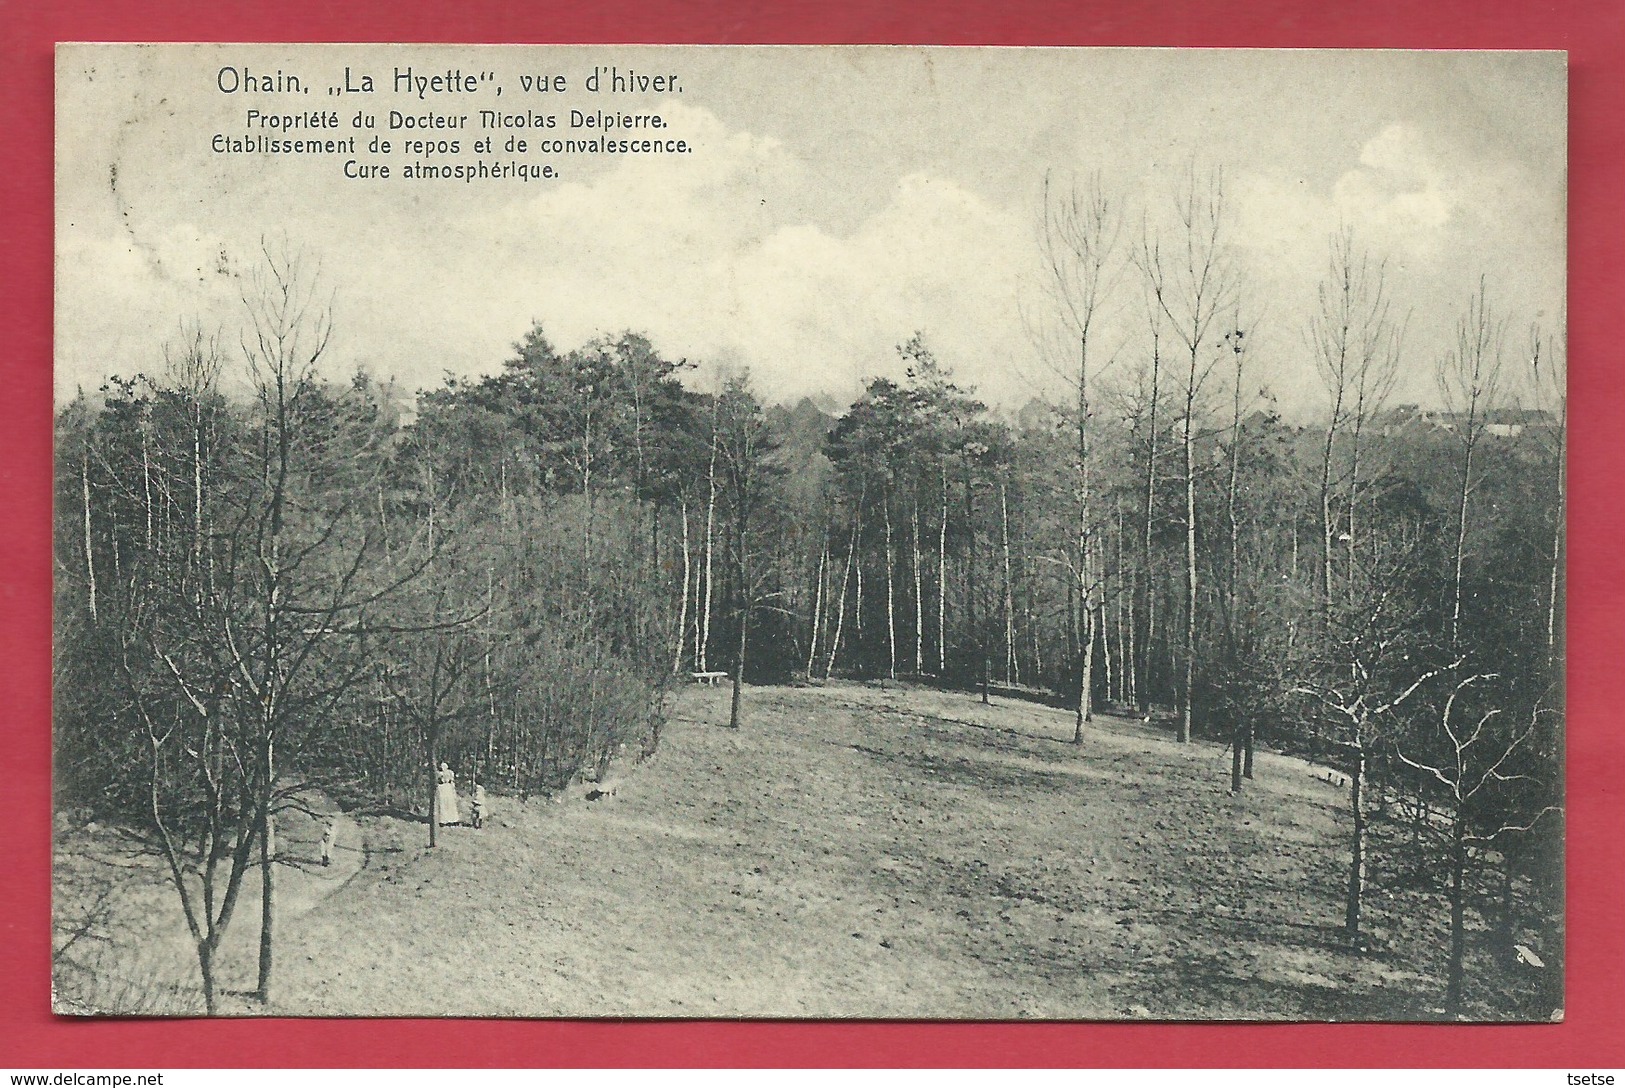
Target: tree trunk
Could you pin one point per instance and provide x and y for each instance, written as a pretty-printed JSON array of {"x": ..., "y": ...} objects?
[
  {"x": 205, "y": 963},
  {"x": 1354, "y": 496},
  {"x": 1356, "y": 885},
  {"x": 1230, "y": 495},
  {"x": 1087, "y": 679},
  {"x": 1131, "y": 677},
  {"x": 1086, "y": 575},
  {"x": 197, "y": 488},
  {"x": 739, "y": 677},
  {"x": 682, "y": 614},
  {"x": 1073, "y": 636},
  {"x": 1190, "y": 562},
  {"x": 744, "y": 625},
  {"x": 891, "y": 596},
  {"x": 1107, "y": 622},
  {"x": 1009, "y": 589},
  {"x": 710, "y": 521},
  {"x": 974, "y": 632},
  {"x": 586, "y": 491},
  {"x": 146, "y": 483},
  {"x": 857, "y": 588},
  {"x": 434, "y": 790},
  {"x": 818, "y": 604},
  {"x": 1127, "y": 588},
  {"x": 942, "y": 578},
  {"x": 698, "y": 618},
  {"x": 1150, "y": 521},
  {"x": 90, "y": 554},
  {"x": 1458, "y": 916},
  {"x": 267, "y": 911},
  {"x": 1557, "y": 536},
  {"x": 1236, "y": 745},
  {"x": 919, "y": 583},
  {"x": 840, "y": 606},
  {"x": 1461, "y": 543},
  {"x": 1327, "y": 530}
]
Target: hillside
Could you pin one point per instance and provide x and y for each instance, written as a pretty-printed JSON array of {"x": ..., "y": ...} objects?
[{"x": 859, "y": 851}]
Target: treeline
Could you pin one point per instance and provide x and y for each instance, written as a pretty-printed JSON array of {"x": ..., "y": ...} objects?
[
  {"x": 320, "y": 583},
  {"x": 267, "y": 582},
  {"x": 1381, "y": 589}
]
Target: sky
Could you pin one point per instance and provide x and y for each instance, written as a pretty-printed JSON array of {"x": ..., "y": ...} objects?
[{"x": 836, "y": 200}]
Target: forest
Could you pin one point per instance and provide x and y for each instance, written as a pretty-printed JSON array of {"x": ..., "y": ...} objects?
[{"x": 270, "y": 579}]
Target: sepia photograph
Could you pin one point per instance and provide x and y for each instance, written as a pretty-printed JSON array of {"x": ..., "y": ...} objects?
[{"x": 744, "y": 532}]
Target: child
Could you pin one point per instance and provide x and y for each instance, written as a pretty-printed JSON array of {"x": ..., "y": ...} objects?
[
  {"x": 329, "y": 840},
  {"x": 479, "y": 805}
]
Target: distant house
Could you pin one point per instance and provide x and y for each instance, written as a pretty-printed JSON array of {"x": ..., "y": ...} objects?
[
  {"x": 1403, "y": 418},
  {"x": 1499, "y": 423},
  {"x": 1512, "y": 422}
]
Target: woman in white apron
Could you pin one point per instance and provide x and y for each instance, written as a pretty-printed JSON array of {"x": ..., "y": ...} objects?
[{"x": 445, "y": 801}]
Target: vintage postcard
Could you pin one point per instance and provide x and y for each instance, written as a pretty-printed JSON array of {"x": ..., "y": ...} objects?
[{"x": 997, "y": 534}]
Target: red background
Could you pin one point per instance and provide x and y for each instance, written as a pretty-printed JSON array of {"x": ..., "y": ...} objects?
[{"x": 1593, "y": 31}]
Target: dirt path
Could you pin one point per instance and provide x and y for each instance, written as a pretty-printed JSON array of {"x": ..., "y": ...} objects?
[
  {"x": 146, "y": 962},
  {"x": 858, "y": 852}
]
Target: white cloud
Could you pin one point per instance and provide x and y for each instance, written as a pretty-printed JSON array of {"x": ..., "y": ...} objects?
[
  {"x": 1400, "y": 192},
  {"x": 700, "y": 252},
  {"x": 699, "y": 255},
  {"x": 820, "y": 311},
  {"x": 1399, "y": 199},
  {"x": 755, "y": 249}
]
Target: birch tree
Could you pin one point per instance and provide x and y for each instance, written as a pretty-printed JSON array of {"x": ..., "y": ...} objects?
[
  {"x": 1192, "y": 280},
  {"x": 1078, "y": 239},
  {"x": 1355, "y": 343},
  {"x": 1469, "y": 379}
]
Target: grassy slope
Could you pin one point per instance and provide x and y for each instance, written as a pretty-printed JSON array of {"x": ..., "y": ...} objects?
[{"x": 854, "y": 852}]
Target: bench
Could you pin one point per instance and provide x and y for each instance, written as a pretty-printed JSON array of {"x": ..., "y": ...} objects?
[{"x": 708, "y": 677}]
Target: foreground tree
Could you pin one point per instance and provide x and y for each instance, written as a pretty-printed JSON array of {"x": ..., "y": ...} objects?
[
  {"x": 1371, "y": 667},
  {"x": 1494, "y": 790}
]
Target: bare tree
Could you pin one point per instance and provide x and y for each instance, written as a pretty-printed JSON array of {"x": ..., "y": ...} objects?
[
  {"x": 846, "y": 578},
  {"x": 821, "y": 580},
  {"x": 1355, "y": 344},
  {"x": 1142, "y": 403},
  {"x": 742, "y": 445},
  {"x": 1547, "y": 359},
  {"x": 1241, "y": 744},
  {"x": 433, "y": 659},
  {"x": 703, "y": 617},
  {"x": 1469, "y": 380},
  {"x": 1192, "y": 281},
  {"x": 1370, "y": 667},
  {"x": 241, "y": 644},
  {"x": 1078, "y": 240},
  {"x": 1475, "y": 760},
  {"x": 682, "y": 609}
]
